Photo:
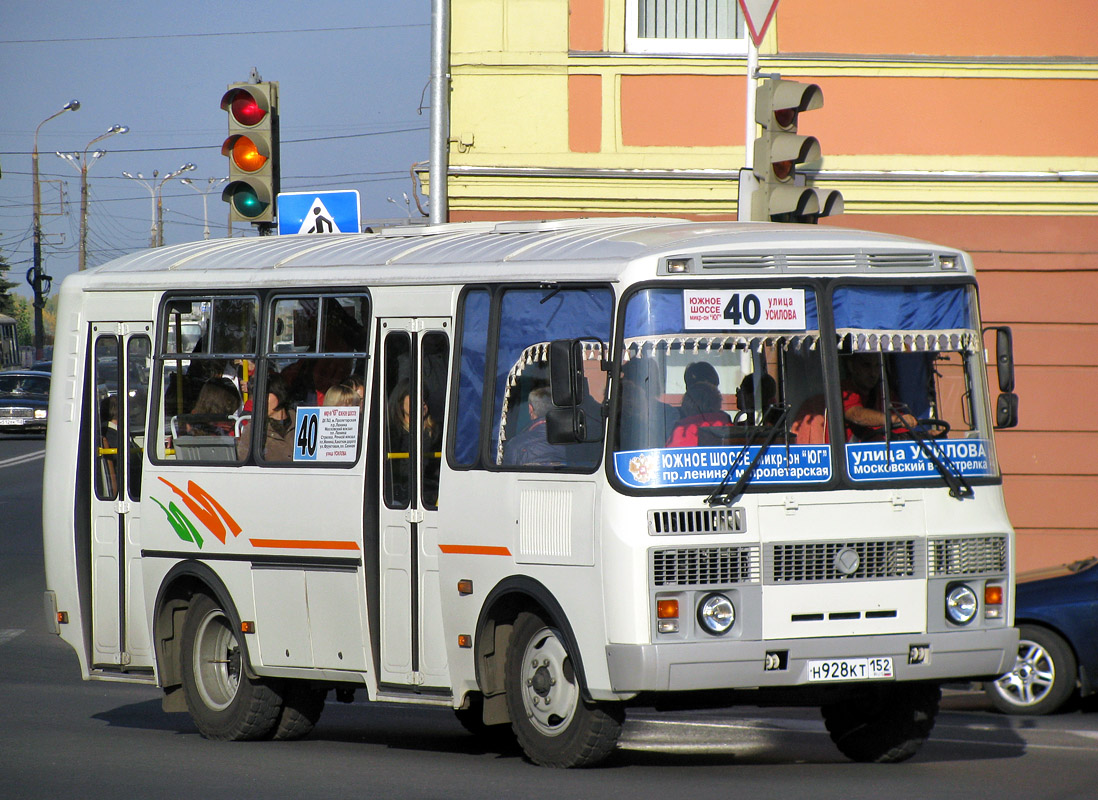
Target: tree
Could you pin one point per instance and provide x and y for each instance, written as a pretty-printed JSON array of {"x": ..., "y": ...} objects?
[
  {"x": 6, "y": 303},
  {"x": 23, "y": 312}
]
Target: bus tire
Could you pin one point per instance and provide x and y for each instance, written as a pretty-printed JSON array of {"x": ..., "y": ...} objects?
[
  {"x": 884, "y": 724},
  {"x": 223, "y": 701},
  {"x": 302, "y": 705},
  {"x": 554, "y": 725}
]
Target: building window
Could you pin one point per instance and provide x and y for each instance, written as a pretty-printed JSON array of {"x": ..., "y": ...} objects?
[{"x": 684, "y": 27}]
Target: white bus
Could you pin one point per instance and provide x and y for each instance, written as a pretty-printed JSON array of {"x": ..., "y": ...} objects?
[{"x": 533, "y": 473}]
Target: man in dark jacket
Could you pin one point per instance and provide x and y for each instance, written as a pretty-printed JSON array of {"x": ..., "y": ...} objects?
[{"x": 531, "y": 446}]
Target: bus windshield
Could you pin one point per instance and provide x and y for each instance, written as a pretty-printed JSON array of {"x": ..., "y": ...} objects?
[{"x": 726, "y": 386}]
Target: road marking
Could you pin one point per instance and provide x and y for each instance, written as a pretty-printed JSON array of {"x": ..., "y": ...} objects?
[
  {"x": 23, "y": 459},
  {"x": 8, "y": 634},
  {"x": 639, "y": 739}
]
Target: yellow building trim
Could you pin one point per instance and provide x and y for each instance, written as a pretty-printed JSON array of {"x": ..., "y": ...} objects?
[{"x": 622, "y": 194}]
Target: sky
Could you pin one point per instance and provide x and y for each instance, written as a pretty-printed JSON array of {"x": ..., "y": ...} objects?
[{"x": 353, "y": 109}]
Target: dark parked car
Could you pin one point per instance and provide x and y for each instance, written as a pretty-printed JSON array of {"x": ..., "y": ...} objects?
[
  {"x": 24, "y": 397},
  {"x": 1057, "y": 615}
]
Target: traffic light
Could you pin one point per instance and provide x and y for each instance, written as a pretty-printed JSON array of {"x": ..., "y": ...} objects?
[
  {"x": 252, "y": 148},
  {"x": 782, "y": 194}
]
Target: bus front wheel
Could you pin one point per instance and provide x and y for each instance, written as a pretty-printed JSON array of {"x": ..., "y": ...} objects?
[
  {"x": 883, "y": 723},
  {"x": 553, "y": 723},
  {"x": 223, "y": 701}
]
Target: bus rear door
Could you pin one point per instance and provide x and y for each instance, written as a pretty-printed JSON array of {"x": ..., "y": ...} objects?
[
  {"x": 414, "y": 362},
  {"x": 119, "y": 380}
]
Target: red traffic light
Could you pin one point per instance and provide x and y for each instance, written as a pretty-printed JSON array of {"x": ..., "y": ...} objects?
[{"x": 244, "y": 107}]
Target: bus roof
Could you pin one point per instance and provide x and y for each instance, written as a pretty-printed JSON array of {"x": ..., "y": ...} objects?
[{"x": 574, "y": 249}]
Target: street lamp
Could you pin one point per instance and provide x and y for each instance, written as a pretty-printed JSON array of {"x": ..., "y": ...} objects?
[
  {"x": 211, "y": 183},
  {"x": 156, "y": 227},
  {"x": 82, "y": 165},
  {"x": 36, "y": 278}
]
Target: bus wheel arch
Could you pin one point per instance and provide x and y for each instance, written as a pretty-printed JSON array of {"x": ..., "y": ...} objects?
[
  {"x": 521, "y": 617},
  {"x": 182, "y": 583}
]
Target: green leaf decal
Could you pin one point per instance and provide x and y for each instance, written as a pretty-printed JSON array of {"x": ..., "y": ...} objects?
[{"x": 183, "y": 527}]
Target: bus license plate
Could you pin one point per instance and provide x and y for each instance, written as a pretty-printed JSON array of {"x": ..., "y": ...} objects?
[{"x": 850, "y": 669}]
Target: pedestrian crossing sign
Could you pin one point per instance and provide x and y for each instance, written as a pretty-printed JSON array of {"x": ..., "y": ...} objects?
[{"x": 318, "y": 212}]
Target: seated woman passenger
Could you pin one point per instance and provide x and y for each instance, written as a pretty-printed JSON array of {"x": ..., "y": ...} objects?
[
  {"x": 217, "y": 399},
  {"x": 341, "y": 394},
  {"x": 278, "y": 440},
  {"x": 701, "y": 408}
]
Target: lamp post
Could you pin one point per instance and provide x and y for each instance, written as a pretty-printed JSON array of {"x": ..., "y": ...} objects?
[
  {"x": 36, "y": 278},
  {"x": 82, "y": 165},
  {"x": 211, "y": 183},
  {"x": 156, "y": 226},
  {"x": 152, "y": 196},
  {"x": 160, "y": 201}
]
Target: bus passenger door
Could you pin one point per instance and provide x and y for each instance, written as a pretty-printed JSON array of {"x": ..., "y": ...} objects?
[
  {"x": 414, "y": 364},
  {"x": 119, "y": 374}
]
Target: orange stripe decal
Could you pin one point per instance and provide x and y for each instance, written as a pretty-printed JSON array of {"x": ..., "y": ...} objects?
[
  {"x": 304, "y": 544},
  {"x": 474, "y": 550}
]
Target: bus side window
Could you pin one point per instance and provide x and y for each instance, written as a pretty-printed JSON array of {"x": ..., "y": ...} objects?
[
  {"x": 434, "y": 357},
  {"x": 400, "y": 433}
]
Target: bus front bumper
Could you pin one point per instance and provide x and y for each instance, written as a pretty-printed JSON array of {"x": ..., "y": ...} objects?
[{"x": 686, "y": 666}]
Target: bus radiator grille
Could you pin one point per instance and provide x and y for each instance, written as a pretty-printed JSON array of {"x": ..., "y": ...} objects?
[
  {"x": 814, "y": 562},
  {"x": 705, "y": 566},
  {"x": 970, "y": 555}
]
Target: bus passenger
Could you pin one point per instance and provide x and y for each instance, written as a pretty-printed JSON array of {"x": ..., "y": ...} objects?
[
  {"x": 531, "y": 445},
  {"x": 701, "y": 408},
  {"x": 278, "y": 441},
  {"x": 217, "y": 400},
  {"x": 341, "y": 395}
]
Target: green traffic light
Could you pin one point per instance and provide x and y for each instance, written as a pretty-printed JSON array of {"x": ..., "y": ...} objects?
[{"x": 246, "y": 202}]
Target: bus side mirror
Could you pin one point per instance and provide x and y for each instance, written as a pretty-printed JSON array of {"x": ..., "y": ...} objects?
[
  {"x": 566, "y": 371},
  {"x": 1004, "y": 358},
  {"x": 1006, "y": 410},
  {"x": 576, "y": 416},
  {"x": 1006, "y": 407}
]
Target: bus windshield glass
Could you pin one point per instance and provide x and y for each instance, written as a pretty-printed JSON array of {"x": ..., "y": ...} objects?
[{"x": 725, "y": 387}]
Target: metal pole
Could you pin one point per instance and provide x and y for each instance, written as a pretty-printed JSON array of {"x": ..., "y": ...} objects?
[
  {"x": 36, "y": 223},
  {"x": 82, "y": 258},
  {"x": 749, "y": 130},
  {"x": 440, "y": 111}
]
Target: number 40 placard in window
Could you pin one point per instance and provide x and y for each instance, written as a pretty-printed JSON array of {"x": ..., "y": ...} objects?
[
  {"x": 744, "y": 309},
  {"x": 326, "y": 433}
]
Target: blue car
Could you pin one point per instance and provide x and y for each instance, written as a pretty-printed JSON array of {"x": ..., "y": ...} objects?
[{"x": 1056, "y": 614}]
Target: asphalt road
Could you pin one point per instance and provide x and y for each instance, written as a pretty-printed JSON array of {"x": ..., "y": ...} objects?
[{"x": 62, "y": 738}]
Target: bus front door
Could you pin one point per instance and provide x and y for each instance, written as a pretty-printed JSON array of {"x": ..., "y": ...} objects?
[
  {"x": 119, "y": 380},
  {"x": 414, "y": 362}
]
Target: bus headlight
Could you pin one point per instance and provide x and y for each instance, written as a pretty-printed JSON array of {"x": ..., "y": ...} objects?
[
  {"x": 960, "y": 603},
  {"x": 716, "y": 614}
]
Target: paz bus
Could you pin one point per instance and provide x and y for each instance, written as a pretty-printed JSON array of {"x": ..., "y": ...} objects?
[{"x": 534, "y": 473}]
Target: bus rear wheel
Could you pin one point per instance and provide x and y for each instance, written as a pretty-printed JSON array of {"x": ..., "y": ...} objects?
[
  {"x": 553, "y": 723},
  {"x": 883, "y": 723},
  {"x": 223, "y": 701}
]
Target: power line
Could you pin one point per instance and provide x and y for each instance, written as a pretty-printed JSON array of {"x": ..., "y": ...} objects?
[
  {"x": 207, "y": 146},
  {"x": 212, "y": 35}
]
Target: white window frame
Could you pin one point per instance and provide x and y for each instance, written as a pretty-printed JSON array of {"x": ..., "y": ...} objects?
[{"x": 634, "y": 43}]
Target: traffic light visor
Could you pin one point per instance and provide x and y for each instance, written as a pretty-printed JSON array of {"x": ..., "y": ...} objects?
[
  {"x": 780, "y": 102},
  {"x": 247, "y": 108}
]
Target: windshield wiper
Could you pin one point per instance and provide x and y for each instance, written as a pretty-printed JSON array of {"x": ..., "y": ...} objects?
[
  {"x": 958, "y": 486},
  {"x": 719, "y": 496}
]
